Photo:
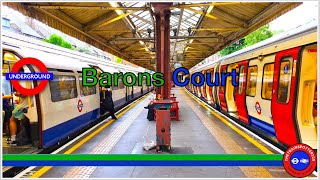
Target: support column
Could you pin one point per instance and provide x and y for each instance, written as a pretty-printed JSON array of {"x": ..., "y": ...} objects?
[
  {"x": 163, "y": 104},
  {"x": 162, "y": 30}
]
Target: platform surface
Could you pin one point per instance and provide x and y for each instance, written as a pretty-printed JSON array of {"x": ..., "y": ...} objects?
[{"x": 198, "y": 132}]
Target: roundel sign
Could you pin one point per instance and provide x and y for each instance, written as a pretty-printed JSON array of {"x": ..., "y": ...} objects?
[
  {"x": 300, "y": 160},
  {"x": 40, "y": 66},
  {"x": 80, "y": 105},
  {"x": 258, "y": 107}
]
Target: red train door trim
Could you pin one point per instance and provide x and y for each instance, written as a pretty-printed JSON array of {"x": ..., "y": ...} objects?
[
  {"x": 241, "y": 98},
  {"x": 203, "y": 87},
  {"x": 222, "y": 97},
  {"x": 211, "y": 71},
  {"x": 283, "y": 113}
]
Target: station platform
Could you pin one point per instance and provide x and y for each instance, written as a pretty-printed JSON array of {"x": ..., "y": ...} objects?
[{"x": 199, "y": 131}]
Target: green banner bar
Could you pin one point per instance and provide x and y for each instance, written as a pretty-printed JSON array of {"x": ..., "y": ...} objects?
[{"x": 142, "y": 157}]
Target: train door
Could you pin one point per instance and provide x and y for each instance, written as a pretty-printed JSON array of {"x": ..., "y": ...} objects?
[
  {"x": 230, "y": 89},
  {"x": 209, "y": 89},
  {"x": 198, "y": 88},
  {"x": 283, "y": 96},
  {"x": 203, "y": 88},
  {"x": 306, "y": 102},
  {"x": 221, "y": 93},
  {"x": 215, "y": 97},
  {"x": 240, "y": 92},
  {"x": 259, "y": 93},
  {"x": 33, "y": 112}
]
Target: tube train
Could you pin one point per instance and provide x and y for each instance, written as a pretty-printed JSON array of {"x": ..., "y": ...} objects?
[
  {"x": 277, "y": 92},
  {"x": 64, "y": 106}
]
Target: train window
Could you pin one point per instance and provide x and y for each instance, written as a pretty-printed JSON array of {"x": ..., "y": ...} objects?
[
  {"x": 284, "y": 80},
  {"x": 241, "y": 79},
  {"x": 252, "y": 81},
  {"x": 6, "y": 86},
  {"x": 86, "y": 90},
  {"x": 63, "y": 87},
  {"x": 267, "y": 81},
  {"x": 120, "y": 83}
]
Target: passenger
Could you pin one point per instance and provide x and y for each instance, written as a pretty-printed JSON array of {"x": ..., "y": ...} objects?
[
  {"x": 150, "y": 106},
  {"x": 102, "y": 93},
  {"x": 17, "y": 115},
  {"x": 7, "y": 108},
  {"x": 109, "y": 102}
]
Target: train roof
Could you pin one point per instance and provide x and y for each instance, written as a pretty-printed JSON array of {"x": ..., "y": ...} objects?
[
  {"x": 25, "y": 45},
  {"x": 273, "y": 44}
]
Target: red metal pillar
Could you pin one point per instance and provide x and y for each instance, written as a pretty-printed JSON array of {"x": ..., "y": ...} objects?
[{"x": 162, "y": 30}]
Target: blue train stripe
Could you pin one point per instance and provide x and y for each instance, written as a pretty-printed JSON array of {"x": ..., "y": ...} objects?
[
  {"x": 262, "y": 125},
  {"x": 143, "y": 163},
  {"x": 52, "y": 135},
  {"x": 120, "y": 102}
]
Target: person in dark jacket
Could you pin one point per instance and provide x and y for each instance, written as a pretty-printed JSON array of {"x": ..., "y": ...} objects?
[
  {"x": 151, "y": 106},
  {"x": 109, "y": 103}
]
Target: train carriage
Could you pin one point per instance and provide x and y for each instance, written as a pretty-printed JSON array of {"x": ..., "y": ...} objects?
[
  {"x": 277, "y": 91},
  {"x": 64, "y": 107}
]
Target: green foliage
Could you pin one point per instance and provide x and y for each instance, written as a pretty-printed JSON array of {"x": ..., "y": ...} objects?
[
  {"x": 59, "y": 41},
  {"x": 277, "y": 32},
  {"x": 261, "y": 34},
  {"x": 118, "y": 60},
  {"x": 258, "y": 35},
  {"x": 233, "y": 47}
]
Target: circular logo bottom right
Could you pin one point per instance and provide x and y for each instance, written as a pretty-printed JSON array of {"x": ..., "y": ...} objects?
[{"x": 300, "y": 160}]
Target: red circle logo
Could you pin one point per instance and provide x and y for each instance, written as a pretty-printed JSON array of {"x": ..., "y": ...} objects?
[
  {"x": 38, "y": 64},
  {"x": 258, "y": 108},
  {"x": 80, "y": 105},
  {"x": 299, "y": 160}
]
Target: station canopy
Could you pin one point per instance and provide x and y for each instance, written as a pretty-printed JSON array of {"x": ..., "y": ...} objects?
[{"x": 198, "y": 30}]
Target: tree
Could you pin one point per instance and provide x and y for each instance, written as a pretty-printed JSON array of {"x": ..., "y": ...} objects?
[
  {"x": 59, "y": 41},
  {"x": 261, "y": 34},
  {"x": 233, "y": 47},
  {"x": 258, "y": 35}
]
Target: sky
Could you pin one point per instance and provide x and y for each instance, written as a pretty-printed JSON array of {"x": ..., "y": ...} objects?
[{"x": 300, "y": 15}]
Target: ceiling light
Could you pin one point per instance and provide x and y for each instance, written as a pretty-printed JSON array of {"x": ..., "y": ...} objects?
[
  {"x": 190, "y": 41},
  {"x": 141, "y": 42}
]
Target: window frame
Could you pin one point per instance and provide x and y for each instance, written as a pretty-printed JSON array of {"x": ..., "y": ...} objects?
[
  {"x": 80, "y": 87},
  {"x": 263, "y": 79},
  {"x": 284, "y": 58},
  {"x": 241, "y": 68},
  {"x": 248, "y": 81},
  {"x": 76, "y": 86}
]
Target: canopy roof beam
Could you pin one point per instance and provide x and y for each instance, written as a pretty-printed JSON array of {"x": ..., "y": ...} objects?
[{"x": 86, "y": 7}]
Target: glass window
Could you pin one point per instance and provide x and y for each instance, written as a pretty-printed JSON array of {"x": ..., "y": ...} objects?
[
  {"x": 6, "y": 22},
  {"x": 6, "y": 86},
  {"x": 252, "y": 80},
  {"x": 63, "y": 87},
  {"x": 267, "y": 81},
  {"x": 241, "y": 79},
  {"x": 285, "y": 80},
  {"x": 86, "y": 90}
]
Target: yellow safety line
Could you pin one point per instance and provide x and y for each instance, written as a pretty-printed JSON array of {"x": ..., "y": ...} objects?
[
  {"x": 44, "y": 169},
  {"x": 246, "y": 136}
]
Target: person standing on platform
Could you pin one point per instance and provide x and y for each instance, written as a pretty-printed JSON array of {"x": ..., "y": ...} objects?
[
  {"x": 109, "y": 102},
  {"x": 150, "y": 106}
]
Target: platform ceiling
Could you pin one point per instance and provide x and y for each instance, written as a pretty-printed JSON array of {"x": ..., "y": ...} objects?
[{"x": 198, "y": 30}]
